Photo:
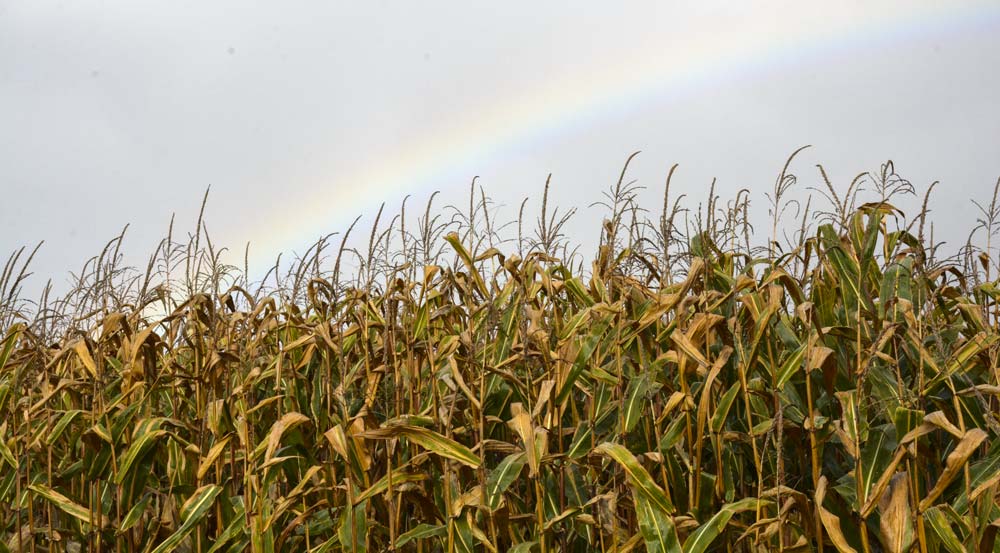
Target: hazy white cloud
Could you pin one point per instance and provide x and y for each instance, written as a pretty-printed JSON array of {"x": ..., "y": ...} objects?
[{"x": 302, "y": 114}]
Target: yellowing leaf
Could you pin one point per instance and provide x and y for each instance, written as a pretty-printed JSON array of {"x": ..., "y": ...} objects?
[
  {"x": 830, "y": 521},
  {"x": 84, "y": 354},
  {"x": 429, "y": 440},
  {"x": 282, "y": 425},
  {"x": 896, "y": 522},
  {"x": 641, "y": 481},
  {"x": 953, "y": 465},
  {"x": 67, "y": 505}
]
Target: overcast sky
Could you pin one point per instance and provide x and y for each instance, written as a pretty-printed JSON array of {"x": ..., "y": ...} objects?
[{"x": 301, "y": 115}]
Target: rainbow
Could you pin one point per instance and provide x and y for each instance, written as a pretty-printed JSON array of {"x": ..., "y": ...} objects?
[{"x": 337, "y": 199}]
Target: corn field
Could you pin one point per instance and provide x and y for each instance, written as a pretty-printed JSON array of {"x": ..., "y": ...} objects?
[{"x": 445, "y": 387}]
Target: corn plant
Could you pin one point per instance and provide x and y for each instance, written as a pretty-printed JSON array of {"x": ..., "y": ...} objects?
[{"x": 835, "y": 389}]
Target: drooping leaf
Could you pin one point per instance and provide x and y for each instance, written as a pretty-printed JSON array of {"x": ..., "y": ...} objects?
[
  {"x": 937, "y": 521},
  {"x": 895, "y": 516},
  {"x": 635, "y": 397},
  {"x": 146, "y": 435},
  {"x": 192, "y": 513},
  {"x": 657, "y": 528},
  {"x": 831, "y": 523},
  {"x": 953, "y": 465},
  {"x": 705, "y": 534},
  {"x": 638, "y": 477},
  {"x": 287, "y": 422},
  {"x": 524, "y": 547},
  {"x": 502, "y": 477},
  {"x": 382, "y": 485},
  {"x": 67, "y": 505},
  {"x": 135, "y": 514},
  {"x": 790, "y": 366},
  {"x": 429, "y": 440},
  {"x": 420, "y": 532},
  {"x": 533, "y": 438},
  {"x": 583, "y": 358}
]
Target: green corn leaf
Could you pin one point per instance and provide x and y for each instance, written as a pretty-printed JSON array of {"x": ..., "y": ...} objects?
[
  {"x": 67, "y": 505},
  {"x": 382, "y": 485},
  {"x": 502, "y": 477},
  {"x": 145, "y": 437},
  {"x": 875, "y": 457},
  {"x": 353, "y": 528},
  {"x": 463, "y": 535},
  {"x": 896, "y": 284},
  {"x": 421, "y": 322},
  {"x": 641, "y": 481},
  {"x": 507, "y": 332},
  {"x": 421, "y": 532},
  {"x": 964, "y": 357},
  {"x": 937, "y": 521},
  {"x": 982, "y": 475},
  {"x": 789, "y": 367},
  {"x": 635, "y": 398},
  {"x": 8, "y": 344},
  {"x": 64, "y": 421},
  {"x": 583, "y": 358},
  {"x": 656, "y": 527},
  {"x": 580, "y": 445},
  {"x": 135, "y": 514},
  {"x": 237, "y": 528},
  {"x": 192, "y": 512},
  {"x": 721, "y": 414},
  {"x": 5, "y": 453},
  {"x": 705, "y": 534}
]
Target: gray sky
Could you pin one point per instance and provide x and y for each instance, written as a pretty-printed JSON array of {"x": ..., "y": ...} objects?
[{"x": 301, "y": 115}]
